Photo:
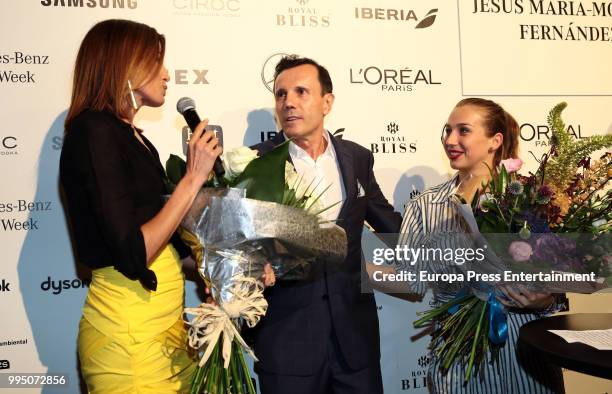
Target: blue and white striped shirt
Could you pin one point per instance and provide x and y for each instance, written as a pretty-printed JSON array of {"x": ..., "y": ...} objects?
[{"x": 516, "y": 370}]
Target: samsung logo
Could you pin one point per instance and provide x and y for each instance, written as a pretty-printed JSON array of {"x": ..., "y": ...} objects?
[{"x": 91, "y": 3}]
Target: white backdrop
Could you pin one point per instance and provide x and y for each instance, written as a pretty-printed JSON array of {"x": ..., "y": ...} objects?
[{"x": 398, "y": 68}]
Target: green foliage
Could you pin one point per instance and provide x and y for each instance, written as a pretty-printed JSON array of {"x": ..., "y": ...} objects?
[
  {"x": 264, "y": 177},
  {"x": 562, "y": 166}
]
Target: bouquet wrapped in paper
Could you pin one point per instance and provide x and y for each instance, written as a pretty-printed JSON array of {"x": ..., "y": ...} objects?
[
  {"x": 546, "y": 232},
  {"x": 268, "y": 216}
]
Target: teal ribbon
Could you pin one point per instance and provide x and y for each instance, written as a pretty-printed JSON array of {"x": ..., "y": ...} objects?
[{"x": 498, "y": 321}]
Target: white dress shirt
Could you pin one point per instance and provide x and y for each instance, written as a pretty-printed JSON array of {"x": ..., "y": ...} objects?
[{"x": 323, "y": 172}]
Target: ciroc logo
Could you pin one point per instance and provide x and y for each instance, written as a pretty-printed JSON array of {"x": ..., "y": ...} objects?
[
  {"x": 57, "y": 286},
  {"x": 8, "y": 145},
  {"x": 226, "y": 8}
]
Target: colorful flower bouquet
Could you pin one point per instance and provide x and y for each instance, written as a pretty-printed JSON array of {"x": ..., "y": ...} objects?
[
  {"x": 260, "y": 212},
  {"x": 551, "y": 224}
]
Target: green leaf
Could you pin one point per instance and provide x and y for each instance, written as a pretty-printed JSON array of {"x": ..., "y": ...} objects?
[
  {"x": 503, "y": 180},
  {"x": 175, "y": 169},
  {"x": 264, "y": 177}
]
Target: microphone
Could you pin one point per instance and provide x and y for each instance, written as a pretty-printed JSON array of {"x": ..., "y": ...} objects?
[{"x": 186, "y": 107}]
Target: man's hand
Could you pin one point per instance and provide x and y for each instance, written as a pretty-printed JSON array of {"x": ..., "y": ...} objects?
[{"x": 268, "y": 277}]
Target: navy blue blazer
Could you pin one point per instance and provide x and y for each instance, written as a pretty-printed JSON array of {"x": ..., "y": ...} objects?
[{"x": 293, "y": 337}]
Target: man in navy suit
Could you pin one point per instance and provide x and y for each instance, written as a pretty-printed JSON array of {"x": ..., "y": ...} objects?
[{"x": 321, "y": 336}]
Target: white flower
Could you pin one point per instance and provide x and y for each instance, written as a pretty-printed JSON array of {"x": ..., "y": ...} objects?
[
  {"x": 236, "y": 160},
  {"x": 486, "y": 197},
  {"x": 303, "y": 187},
  {"x": 291, "y": 177},
  {"x": 599, "y": 223}
]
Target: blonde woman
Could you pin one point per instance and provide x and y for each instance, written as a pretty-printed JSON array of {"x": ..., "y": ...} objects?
[{"x": 480, "y": 132}]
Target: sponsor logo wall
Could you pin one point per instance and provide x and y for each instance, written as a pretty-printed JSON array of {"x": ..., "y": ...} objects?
[{"x": 398, "y": 67}]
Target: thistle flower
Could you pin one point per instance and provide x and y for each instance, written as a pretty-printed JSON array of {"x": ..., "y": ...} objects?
[{"x": 515, "y": 188}]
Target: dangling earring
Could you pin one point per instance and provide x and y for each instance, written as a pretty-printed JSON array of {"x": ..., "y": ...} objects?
[{"x": 132, "y": 97}]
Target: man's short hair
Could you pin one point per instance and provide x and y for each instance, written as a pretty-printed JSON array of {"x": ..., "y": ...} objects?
[{"x": 291, "y": 61}]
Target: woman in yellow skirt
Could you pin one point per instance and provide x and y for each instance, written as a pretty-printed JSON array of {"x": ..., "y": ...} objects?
[{"x": 131, "y": 337}]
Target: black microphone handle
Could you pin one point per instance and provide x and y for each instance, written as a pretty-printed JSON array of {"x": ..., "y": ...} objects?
[{"x": 192, "y": 119}]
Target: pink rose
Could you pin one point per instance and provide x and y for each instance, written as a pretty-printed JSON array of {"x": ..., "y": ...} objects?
[
  {"x": 512, "y": 165},
  {"x": 520, "y": 251}
]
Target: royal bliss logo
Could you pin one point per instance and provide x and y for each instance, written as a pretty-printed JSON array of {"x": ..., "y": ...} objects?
[
  {"x": 303, "y": 13},
  {"x": 129, "y": 4},
  {"x": 223, "y": 8},
  {"x": 417, "y": 378},
  {"x": 393, "y": 142},
  {"x": 394, "y": 14},
  {"x": 404, "y": 79},
  {"x": 573, "y": 29}
]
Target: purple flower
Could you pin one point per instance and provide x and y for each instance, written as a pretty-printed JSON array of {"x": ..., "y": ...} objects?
[
  {"x": 520, "y": 251},
  {"x": 544, "y": 195},
  {"x": 555, "y": 250}
]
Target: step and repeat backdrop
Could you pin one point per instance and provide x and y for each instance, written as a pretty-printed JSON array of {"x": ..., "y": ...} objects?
[{"x": 398, "y": 68}]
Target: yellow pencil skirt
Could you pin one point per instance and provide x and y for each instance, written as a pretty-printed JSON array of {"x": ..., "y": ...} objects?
[{"x": 132, "y": 340}]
